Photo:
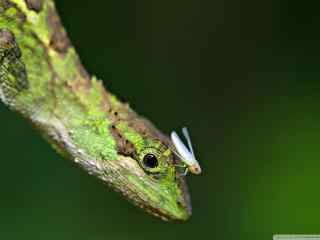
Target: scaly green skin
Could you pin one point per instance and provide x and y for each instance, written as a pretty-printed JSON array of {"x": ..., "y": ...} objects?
[{"x": 41, "y": 77}]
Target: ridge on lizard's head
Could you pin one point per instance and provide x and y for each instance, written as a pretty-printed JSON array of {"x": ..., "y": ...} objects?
[{"x": 154, "y": 182}]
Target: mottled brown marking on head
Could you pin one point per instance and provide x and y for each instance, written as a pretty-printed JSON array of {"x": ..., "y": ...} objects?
[
  {"x": 124, "y": 146},
  {"x": 59, "y": 40},
  {"x": 5, "y": 4},
  {"x": 146, "y": 128},
  {"x": 6, "y": 37},
  {"x": 11, "y": 64},
  {"x": 83, "y": 72},
  {"x": 8, "y": 42},
  {"x": 35, "y": 5}
]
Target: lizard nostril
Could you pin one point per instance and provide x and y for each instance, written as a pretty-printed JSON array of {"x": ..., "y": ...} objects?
[{"x": 179, "y": 203}]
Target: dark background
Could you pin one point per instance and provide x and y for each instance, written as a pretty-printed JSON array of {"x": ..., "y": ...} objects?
[{"x": 242, "y": 75}]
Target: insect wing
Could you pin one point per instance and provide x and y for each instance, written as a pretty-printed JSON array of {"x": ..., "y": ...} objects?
[
  {"x": 186, "y": 155},
  {"x": 187, "y": 136}
]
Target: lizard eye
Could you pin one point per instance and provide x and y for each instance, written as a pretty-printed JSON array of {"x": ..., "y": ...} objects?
[
  {"x": 150, "y": 161},
  {"x": 154, "y": 158}
]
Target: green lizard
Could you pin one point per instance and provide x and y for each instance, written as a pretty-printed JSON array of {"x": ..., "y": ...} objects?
[{"x": 41, "y": 77}]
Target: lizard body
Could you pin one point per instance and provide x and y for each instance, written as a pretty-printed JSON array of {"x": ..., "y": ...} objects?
[{"x": 41, "y": 78}]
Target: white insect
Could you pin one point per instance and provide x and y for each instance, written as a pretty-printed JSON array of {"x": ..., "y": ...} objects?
[{"x": 186, "y": 155}]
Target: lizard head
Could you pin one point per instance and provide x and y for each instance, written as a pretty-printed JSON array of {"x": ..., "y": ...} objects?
[
  {"x": 153, "y": 180},
  {"x": 133, "y": 158}
]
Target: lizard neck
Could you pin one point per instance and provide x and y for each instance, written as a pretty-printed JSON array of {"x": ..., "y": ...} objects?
[{"x": 46, "y": 66}]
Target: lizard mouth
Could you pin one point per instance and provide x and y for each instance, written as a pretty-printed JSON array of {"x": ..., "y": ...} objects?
[
  {"x": 183, "y": 209},
  {"x": 168, "y": 210},
  {"x": 160, "y": 203},
  {"x": 185, "y": 214}
]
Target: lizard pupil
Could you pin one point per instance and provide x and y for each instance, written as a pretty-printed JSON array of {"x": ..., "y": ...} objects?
[{"x": 150, "y": 161}]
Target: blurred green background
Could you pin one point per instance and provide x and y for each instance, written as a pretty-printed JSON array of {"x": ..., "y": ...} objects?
[{"x": 244, "y": 76}]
